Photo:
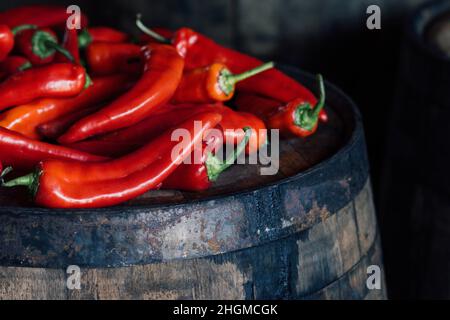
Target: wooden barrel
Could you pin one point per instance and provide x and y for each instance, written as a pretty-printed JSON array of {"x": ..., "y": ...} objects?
[
  {"x": 308, "y": 232},
  {"x": 415, "y": 202}
]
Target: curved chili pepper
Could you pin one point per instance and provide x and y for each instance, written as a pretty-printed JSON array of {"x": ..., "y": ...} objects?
[
  {"x": 54, "y": 80},
  {"x": 55, "y": 128},
  {"x": 6, "y": 41},
  {"x": 100, "y": 34},
  {"x": 264, "y": 105},
  {"x": 109, "y": 58},
  {"x": 70, "y": 43},
  {"x": 26, "y": 118},
  {"x": 199, "y": 177},
  {"x": 40, "y": 46},
  {"x": 163, "y": 71},
  {"x": 212, "y": 83},
  {"x": 23, "y": 153},
  {"x": 111, "y": 149},
  {"x": 39, "y": 15},
  {"x": 128, "y": 139},
  {"x": 65, "y": 184},
  {"x": 297, "y": 118},
  {"x": 12, "y": 65},
  {"x": 199, "y": 51}
]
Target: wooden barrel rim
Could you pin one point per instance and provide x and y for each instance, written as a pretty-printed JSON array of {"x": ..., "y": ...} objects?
[{"x": 32, "y": 246}]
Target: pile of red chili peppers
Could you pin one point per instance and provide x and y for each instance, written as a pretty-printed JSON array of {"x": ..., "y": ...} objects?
[{"x": 87, "y": 116}]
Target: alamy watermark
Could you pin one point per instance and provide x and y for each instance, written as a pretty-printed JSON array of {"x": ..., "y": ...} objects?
[
  {"x": 73, "y": 281},
  {"x": 373, "y": 281},
  {"x": 374, "y": 20}
]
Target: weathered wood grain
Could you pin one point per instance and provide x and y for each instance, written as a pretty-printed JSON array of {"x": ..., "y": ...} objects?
[{"x": 324, "y": 262}]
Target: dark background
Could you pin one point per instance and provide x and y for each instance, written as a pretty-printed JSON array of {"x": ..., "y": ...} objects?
[{"x": 326, "y": 36}]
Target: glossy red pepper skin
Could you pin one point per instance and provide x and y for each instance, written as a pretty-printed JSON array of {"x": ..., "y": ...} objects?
[
  {"x": 163, "y": 71},
  {"x": 65, "y": 184},
  {"x": 262, "y": 105},
  {"x": 200, "y": 51},
  {"x": 190, "y": 177},
  {"x": 55, "y": 128},
  {"x": 101, "y": 34},
  {"x": 12, "y": 65},
  {"x": 110, "y": 58},
  {"x": 6, "y": 41},
  {"x": 70, "y": 43},
  {"x": 52, "y": 81},
  {"x": 107, "y": 148},
  {"x": 285, "y": 117},
  {"x": 23, "y": 153},
  {"x": 39, "y": 15},
  {"x": 128, "y": 139},
  {"x": 26, "y": 118}
]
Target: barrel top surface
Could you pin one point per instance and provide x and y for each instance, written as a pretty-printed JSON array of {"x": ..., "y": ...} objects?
[{"x": 318, "y": 176}]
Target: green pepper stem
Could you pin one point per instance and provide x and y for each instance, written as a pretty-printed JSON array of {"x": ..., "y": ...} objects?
[
  {"x": 89, "y": 81},
  {"x": 307, "y": 117},
  {"x": 4, "y": 173},
  {"x": 57, "y": 47},
  {"x": 27, "y": 181},
  {"x": 84, "y": 39},
  {"x": 250, "y": 73},
  {"x": 149, "y": 31},
  {"x": 321, "y": 103},
  {"x": 215, "y": 166},
  {"x": 25, "y": 66},
  {"x": 31, "y": 181},
  {"x": 22, "y": 27}
]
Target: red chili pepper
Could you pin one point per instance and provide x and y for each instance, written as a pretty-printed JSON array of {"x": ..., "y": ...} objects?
[
  {"x": 70, "y": 43},
  {"x": 128, "y": 139},
  {"x": 26, "y": 118},
  {"x": 106, "y": 148},
  {"x": 12, "y": 65},
  {"x": 52, "y": 81},
  {"x": 23, "y": 153},
  {"x": 199, "y": 51},
  {"x": 212, "y": 83},
  {"x": 40, "y": 45},
  {"x": 265, "y": 105},
  {"x": 110, "y": 58},
  {"x": 297, "y": 118},
  {"x": 39, "y": 15},
  {"x": 101, "y": 34},
  {"x": 55, "y": 128},
  {"x": 163, "y": 71},
  {"x": 65, "y": 184},
  {"x": 199, "y": 177},
  {"x": 6, "y": 41}
]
